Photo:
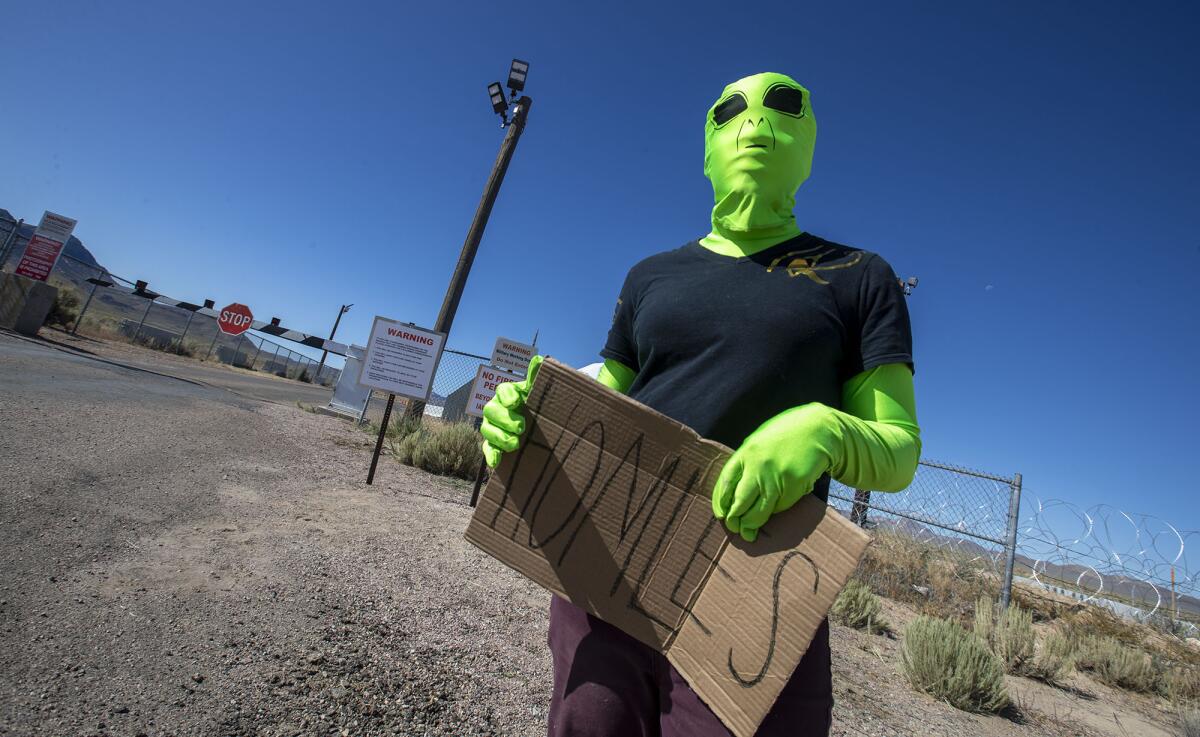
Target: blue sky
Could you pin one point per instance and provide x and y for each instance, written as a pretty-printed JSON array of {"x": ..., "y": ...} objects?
[{"x": 1034, "y": 164}]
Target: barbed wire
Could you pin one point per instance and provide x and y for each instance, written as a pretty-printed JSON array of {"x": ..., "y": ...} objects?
[{"x": 1107, "y": 555}]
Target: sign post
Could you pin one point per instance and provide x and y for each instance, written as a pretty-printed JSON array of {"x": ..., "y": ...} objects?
[
  {"x": 45, "y": 246},
  {"x": 400, "y": 359}
]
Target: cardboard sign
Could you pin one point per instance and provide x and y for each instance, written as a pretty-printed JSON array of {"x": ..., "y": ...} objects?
[
  {"x": 484, "y": 388},
  {"x": 607, "y": 504},
  {"x": 45, "y": 246},
  {"x": 401, "y": 358},
  {"x": 511, "y": 355}
]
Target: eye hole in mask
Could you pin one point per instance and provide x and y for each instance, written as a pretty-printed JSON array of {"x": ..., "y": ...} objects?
[
  {"x": 729, "y": 109},
  {"x": 785, "y": 99}
]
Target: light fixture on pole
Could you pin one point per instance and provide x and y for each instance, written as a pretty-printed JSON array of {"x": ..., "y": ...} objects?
[
  {"x": 499, "y": 104},
  {"x": 908, "y": 285},
  {"x": 516, "y": 77}
]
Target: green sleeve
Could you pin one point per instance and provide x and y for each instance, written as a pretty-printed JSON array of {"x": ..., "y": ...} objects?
[
  {"x": 877, "y": 441},
  {"x": 616, "y": 375}
]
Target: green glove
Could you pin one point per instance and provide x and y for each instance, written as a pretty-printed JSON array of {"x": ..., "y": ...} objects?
[
  {"x": 777, "y": 465},
  {"x": 503, "y": 421},
  {"x": 874, "y": 445}
]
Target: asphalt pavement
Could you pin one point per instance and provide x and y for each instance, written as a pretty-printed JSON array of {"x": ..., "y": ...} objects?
[{"x": 249, "y": 385}]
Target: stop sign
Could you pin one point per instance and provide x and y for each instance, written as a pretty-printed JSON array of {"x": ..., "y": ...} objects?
[{"x": 235, "y": 319}]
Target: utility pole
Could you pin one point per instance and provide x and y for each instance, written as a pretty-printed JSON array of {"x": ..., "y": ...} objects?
[
  {"x": 462, "y": 270},
  {"x": 324, "y": 353}
]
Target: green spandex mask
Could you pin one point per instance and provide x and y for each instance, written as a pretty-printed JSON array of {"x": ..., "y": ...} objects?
[{"x": 758, "y": 148}]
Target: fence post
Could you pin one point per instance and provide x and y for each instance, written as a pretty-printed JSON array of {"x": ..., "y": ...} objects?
[
  {"x": 1014, "y": 509},
  {"x": 183, "y": 335},
  {"x": 79, "y": 319},
  {"x": 138, "y": 332},
  {"x": 212, "y": 344},
  {"x": 858, "y": 512},
  {"x": 252, "y": 360}
]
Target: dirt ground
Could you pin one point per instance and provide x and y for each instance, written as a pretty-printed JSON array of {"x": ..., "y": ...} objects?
[{"x": 179, "y": 559}]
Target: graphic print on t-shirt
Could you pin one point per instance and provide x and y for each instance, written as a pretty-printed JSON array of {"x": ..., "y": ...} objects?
[{"x": 808, "y": 262}]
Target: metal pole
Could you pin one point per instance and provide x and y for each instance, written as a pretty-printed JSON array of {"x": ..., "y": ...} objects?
[
  {"x": 862, "y": 502},
  {"x": 260, "y": 345},
  {"x": 275, "y": 356},
  {"x": 1014, "y": 509},
  {"x": 237, "y": 348},
  {"x": 136, "y": 333},
  {"x": 191, "y": 315},
  {"x": 480, "y": 473},
  {"x": 462, "y": 270},
  {"x": 325, "y": 353},
  {"x": 212, "y": 344},
  {"x": 387, "y": 414},
  {"x": 75, "y": 327},
  {"x": 8, "y": 241}
]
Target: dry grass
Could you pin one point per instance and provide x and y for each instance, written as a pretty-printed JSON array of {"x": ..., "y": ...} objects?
[
  {"x": 1189, "y": 723},
  {"x": 937, "y": 582},
  {"x": 944, "y": 660}
]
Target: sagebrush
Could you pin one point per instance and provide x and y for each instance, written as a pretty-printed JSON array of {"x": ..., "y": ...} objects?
[
  {"x": 1053, "y": 660},
  {"x": 1009, "y": 635},
  {"x": 1116, "y": 664},
  {"x": 443, "y": 449},
  {"x": 857, "y": 607},
  {"x": 944, "y": 660}
]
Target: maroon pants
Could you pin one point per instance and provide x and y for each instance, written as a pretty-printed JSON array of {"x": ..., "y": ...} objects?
[{"x": 607, "y": 684}]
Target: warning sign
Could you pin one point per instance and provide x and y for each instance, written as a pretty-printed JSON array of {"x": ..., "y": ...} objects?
[
  {"x": 401, "y": 358},
  {"x": 484, "y": 388},
  {"x": 45, "y": 246},
  {"x": 512, "y": 355}
]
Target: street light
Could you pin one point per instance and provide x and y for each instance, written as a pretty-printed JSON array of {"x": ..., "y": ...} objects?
[
  {"x": 909, "y": 285},
  {"x": 458, "y": 281},
  {"x": 499, "y": 104},
  {"x": 325, "y": 353},
  {"x": 516, "y": 76}
]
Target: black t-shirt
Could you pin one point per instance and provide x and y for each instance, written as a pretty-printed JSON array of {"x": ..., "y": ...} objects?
[{"x": 723, "y": 344}]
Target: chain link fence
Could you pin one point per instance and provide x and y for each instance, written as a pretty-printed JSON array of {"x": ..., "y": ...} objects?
[
  {"x": 96, "y": 303},
  {"x": 950, "y": 536}
]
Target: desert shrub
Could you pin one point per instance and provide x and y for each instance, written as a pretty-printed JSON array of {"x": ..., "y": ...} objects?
[
  {"x": 1053, "y": 660},
  {"x": 446, "y": 450},
  {"x": 857, "y": 607},
  {"x": 944, "y": 660},
  {"x": 1180, "y": 684},
  {"x": 1009, "y": 635},
  {"x": 1117, "y": 665},
  {"x": 1189, "y": 723},
  {"x": 65, "y": 310}
]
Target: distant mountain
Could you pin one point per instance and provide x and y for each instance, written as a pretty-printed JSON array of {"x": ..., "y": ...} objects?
[{"x": 74, "y": 248}]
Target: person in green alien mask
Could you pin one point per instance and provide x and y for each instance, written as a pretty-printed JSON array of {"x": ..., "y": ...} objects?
[{"x": 794, "y": 350}]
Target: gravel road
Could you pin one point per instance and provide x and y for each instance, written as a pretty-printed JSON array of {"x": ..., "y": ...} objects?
[{"x": 178, "y": 560}]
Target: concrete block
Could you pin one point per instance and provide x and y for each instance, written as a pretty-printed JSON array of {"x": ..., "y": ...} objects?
[{"x": 24, "y": 303}]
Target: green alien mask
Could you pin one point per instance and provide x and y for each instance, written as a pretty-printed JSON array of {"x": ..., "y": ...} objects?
[{"x": 758, "y": 148}]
